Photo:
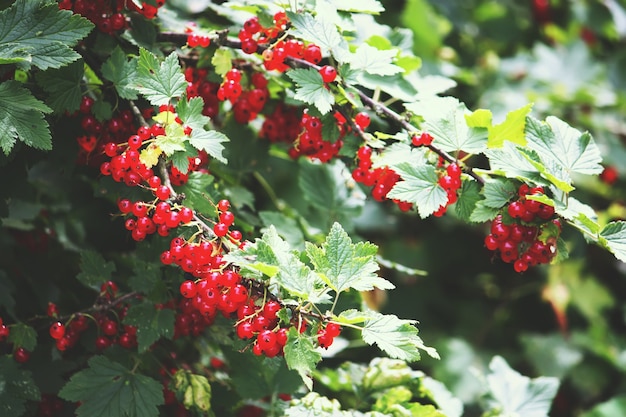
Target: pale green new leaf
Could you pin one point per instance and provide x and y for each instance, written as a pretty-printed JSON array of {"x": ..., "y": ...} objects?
[
  {"x": 512, "y": 129},
  {"x": 419, "y": 185},
  {"x": 222, "y": 60},
  {"x": 21, "y": 117},
  {"x": 613, "y": 236},
  {"x": 554, "y": 139},
  {"x": 373, "y": 61},
  {"x": 301, "y": 356},
  {"x": 516, "y": 394},
  {"x": 152, "y": 323},
  {"x": 173, "y": 140},
  {"x": 38, "y": 28},
  {"x": 158, "y": 81},
  {"x": 119, "y": 70},
  {"x": 511, "y": 162},
  {"x": 344, "y": 265},
  {"x": 317, "y": 30},
  {"x": 108, "y": 388},
  {"x": 311, "y": 89},
  {"x": 63, "y": 86},
  {"x": 396, "y": 337}
]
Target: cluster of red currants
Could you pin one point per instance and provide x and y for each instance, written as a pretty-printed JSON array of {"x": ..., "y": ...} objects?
[
  {"x": 450, "y": 181},
  {"x": 526, "y": 234},
  {"x": 107, "y": 15},
  {"x": 195, "y": 39},
  {"x": 246, "y": 103},
  {"x": 381, "y": 179},
  {"x": 144, "y": 219},
  {"x": 199, "y": 86},
  {"x": 283, "y": 124},
  {"x": 310, "y": 141},
  {"x": 20, "y": 354}
]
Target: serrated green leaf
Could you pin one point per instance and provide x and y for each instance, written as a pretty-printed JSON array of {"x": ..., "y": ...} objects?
[
  {"x": 24, "y": 336},
  {"x": 159, "y": 82},
  {"x": 200, "y": 192},
  {"x": 152, "y": 323},
  {"x": 483, "y": 213},
  {"x": 190, "y": 112},
  {"x": 286, "y": 227},
  {"x": 180, "y": 161},
  {"x": 317, "y": 30},
  {"x": 614, "y": 235},
  {"x": 46, "y": 33},
  {"x": 419, "y": 185},
  {"x": 102, "y": 110},
  {"x": 616, "y": 406},
  {"x": 173, "y": 140},
  {"x": 209, "y": 141},
  {"x": 452, "y": 133},
  {"x": 555, "y": 140},
  {"x": 301, "y": 355},
  {"x": 15, "y": 53},
  {"x": 94, "y": 268},
  {"x": 146, "y": 275},
  {"x": 222, "y": 60},
  {"x": 515, "y": 394},
  {"x": 498, "y": 192},
  {"x": 344, "y": 265},
  {"x": 119, "y": 70},
  {"x": 469, "y": 196},
  {"x": 16, "y": 388},
  {"x": 549, "y": 170},
  {"x": 396, "y": 337},
  {"x": 107, "y": 388},
  {"x": 21, "y": 117},
  {"x": 311, "y": 89},
  {"x": 63, "y": 86},
  {"x": 374, "y": 61},
  {"x": 512, "y": 129},
  {"x": 510, "y": 162},
  {"x": 359, "y": 6}
]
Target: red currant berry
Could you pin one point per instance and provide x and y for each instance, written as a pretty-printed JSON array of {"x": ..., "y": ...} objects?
[
  {"x": 57, "y": 330},
  {"x": 220, "y": 229},
  {"x": 21, "y": 355},
  {"x": 188, "y": 289},
  {"x": 223, "y": 205},
  {"x": 328, "y": 73},
  {"x": 362, "y": 120}
]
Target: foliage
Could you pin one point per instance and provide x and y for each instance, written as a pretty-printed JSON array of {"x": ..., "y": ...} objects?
[{"x": 249, "y": 209}]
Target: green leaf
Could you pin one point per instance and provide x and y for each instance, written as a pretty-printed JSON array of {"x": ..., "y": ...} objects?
[
  {"x": 39, "y": 28},
  {"x": 146, "y": 276},
  {"x": 120, "y": 71},
  {"x": 190, "y": 112},
  {"x": 344, "y": 265},
  {"x": 301, "y": 356},
  {"x": 469, "y": 196},
  {"x": 419, "y": 185},
  {"x": 360, "y": 6},
  {"x": 24, "y": 336},
  {"x": 483, "y": 213},
  {"x": 194, "y": 390},
  {"x": 63, "y": 86},
  {"x": 286, "y": 227},
  {"x": 200, "y": 192},
  {"x": 173, "y": 140},
  {"x": 498, "y": 192},
  {"x": 555, "y": 140},
  {"x": 16, "y": 388},
  {"x": 159, "y": 82},
  {"x": 616, "y": 406},
  {"x": 515, "y": 394},
  {"x": 373, "y": 61},
  {"x": 452, "y": 133},
  {"x": 152, "y": 323},
  {"x": 21, "y": 117},
  {"x": 396, "y": 337},
  {"x": 107, "y": 388},
  {"x": 549, "y": 170},
  {"x": 512, "y": 129},
  {"x": 510, "y": 162},
  {"x": 311, "y": 89},
  {"x": 94, "y": 269},
  {"x": 222, "y": 60},
  {"x": 209, "y": 141},
  {"x": 317, "y": 30},
  {"x": 613, "y": 237}
]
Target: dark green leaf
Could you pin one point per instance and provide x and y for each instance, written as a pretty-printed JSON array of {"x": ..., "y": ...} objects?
[
  {"x": 46, "y": 33},
  {"x": 16, "y": 388},
  {"x": 119, "y": 70},
  {"x": 209, "y": 141},
  {"x": 498, "y": 192},
  {"x": 94, "y": 268},
  {"x": 24, "y": 336},
  {"x": 152, "y": 323},
  {"x": 63, "y": 86},
  {"x": 200, "y": 192},
  {"x": 469, "y": 196},
  {"x": 107, "y": 388},
  {"x": 21, "y": 117}
]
